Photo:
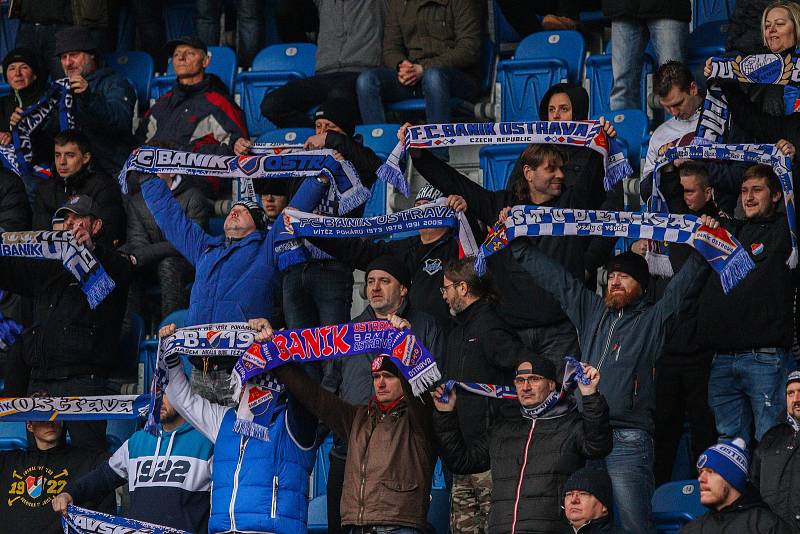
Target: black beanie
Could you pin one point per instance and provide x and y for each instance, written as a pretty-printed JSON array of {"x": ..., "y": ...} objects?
[
  {"x": 539, "y": 366},
  {"x": 23, "y": 55},
  {"x": 385, "y": 363},
  {"x": 392, "y": 265},
  {"x": 592, "y": 480},
  {"x": 632, "y": 264},
  {"x": 256, "y": 212},
  {"x": 338, "y": 112}
]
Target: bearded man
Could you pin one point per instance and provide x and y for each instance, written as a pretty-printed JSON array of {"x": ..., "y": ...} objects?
[{"x": 622, "y": 335}]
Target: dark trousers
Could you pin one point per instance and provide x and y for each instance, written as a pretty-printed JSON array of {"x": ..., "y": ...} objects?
[
  {"x": 681, "y": 395},
  {"x": 521, "y": 14},
  {"x": 335, "y": 483},
  {"x": 287, "y": 106},
  {"x": 85, "y": 434},
  {"x": 150, "y": 28}
]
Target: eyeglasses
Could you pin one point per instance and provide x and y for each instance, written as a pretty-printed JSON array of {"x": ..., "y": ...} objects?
[
  {"x": 529, "y": 380},
  {"x": 444, "y": 289}
]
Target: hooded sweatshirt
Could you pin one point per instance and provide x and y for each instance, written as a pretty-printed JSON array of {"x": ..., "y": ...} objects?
[{"x": 169, "y": 478}]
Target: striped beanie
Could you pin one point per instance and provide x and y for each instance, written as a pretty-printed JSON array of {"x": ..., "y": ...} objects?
[
  {"x": 256, "y": 212},
  {"x": 730, "y": 460}
]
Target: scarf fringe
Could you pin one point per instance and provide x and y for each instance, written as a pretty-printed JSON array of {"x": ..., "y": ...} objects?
[
  {"x": 98, "y": 288},
  {"x": 251, "y": 429},
  {"x": 424, "y": 380},
  {"x": 480, "y": 263},
  {"x": 616, "y": 173},
  {"x": 659, "y": 264},
  {"x": 350, "y": 200},
  {"x": 739, "y": 264},
  {"x": 393, "y": 176},
  {"x": 792, "y": 261}
]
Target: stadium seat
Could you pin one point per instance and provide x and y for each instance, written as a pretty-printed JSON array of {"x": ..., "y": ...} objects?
[
  {"x": 8, "y": 30},
  {"x": 223, "y": 64},
  {"x": 496, "y": 162},
  {"x": 381, "y": 138},
  {"x": 600, "y": 79},
  {"x": 179, "y": 18},
  {"x": 705, "y": 41},
  {"x": 675, "y": 504},
  {"x": 705, "y": 11},
  {"x": 322, "y": 466},
  {"x": 118, "y": 431},
  {"x": 13, "y": 436},
  {"x": 542, "y": 60},
  {"x": 487, "y": 59},
  {"x": 137, "y": 67},
  {"x": 505, "y": 36},
  {"x": 286, "y": 135},
  {"x": 149, "y": 347},
  {"x": 631, "y": 126},
  {"x": 318, "y": 515},
  {"x": 273, "y": 67},
  {"x": 439, "y": 511}
]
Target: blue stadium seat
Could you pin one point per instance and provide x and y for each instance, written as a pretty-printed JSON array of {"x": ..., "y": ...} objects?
[
  {"x": 600, "y": 79},
  {"x": 488, "y": 56},
  {"x": 705, "y": 41},
  {"x": 496, "y": 162},
  {"x": 632, "y": 127},
  {"x": 273, "y": 67},
  {"x": 286, "y": 135},
  {"x": 179, "y": 18},
  {"x": 129, "y": 345},
  {"x": 381, "y": 138},
  {"x": 705, "y": 11},
  {"x": 439, "y": 511},
  {"x": 8, "y": 30},
  {"x": 675, "y": 504},
  {"x": 137, "y": 67},
  {"x": 5, "y": 89},
  {"x": 13, "y": 436},
  {"x": 542, "y": 60},
  {"x": 223, "y": 64},
  {"x": 318, "y": 515},
  {"x": 148, "y": 348},
  {"x": 118, "y": 431},
  {"x": 505, "y": 36}
]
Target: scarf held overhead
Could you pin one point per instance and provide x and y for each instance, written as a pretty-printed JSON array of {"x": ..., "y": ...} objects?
[
  {"x": 344, "y": 178},
  {"x": 718, "y": 247},
  {"x": 587, "y": 134},
  {"x": 73, "y": 408},
  {"x": 61, "y": 246},
  {"x": 82, "y": 521},
  {"x": 766, "y": 154},
  {"x": 433, "y": 215}
]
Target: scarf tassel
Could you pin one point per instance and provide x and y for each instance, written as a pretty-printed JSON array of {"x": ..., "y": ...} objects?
[
  {"x": 251, "y": 429},
  {"x": 98, "y": 287},
  {"x": 658, "y": 264},
  {"x": 735, "y": 270},
  {"x": 421, "y": 382},
  {"x": 350, "y": 200}
]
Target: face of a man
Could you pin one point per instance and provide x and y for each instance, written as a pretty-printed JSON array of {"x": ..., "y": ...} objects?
[
  {"x": 69, "y": 159},
  {"x": 793, "y": 400},
  {"x": 680, "y": 103},
  {"x": 622, "y": 290},
  {"x": 452, "y": 295},
  {"x": 715, "y": 492},
  {"x": 388, "y": 387},
  {"x": 73, "y": 222},
  {"x": 695, "y": 195},
  {"x": 757, "y": 200},
  {"x": 273, "y": 204},
  {"x": 384, "y": 292},
  {"x": 581, "y": 507},
  {"x": 559, "y": 108},
  {"x": 239, "y": 223},
  {"x": 532, "y": 389},
  {"x": 19, "y": 75},
  {"x": 46, "y": 433},
  {"x": 545, "y": 181},
  {"x": 78, "y": 63},
  {"x": 324, "y": 125},
  {"x": 168, "y": 413},
  {"x": 189, "y": 62}
]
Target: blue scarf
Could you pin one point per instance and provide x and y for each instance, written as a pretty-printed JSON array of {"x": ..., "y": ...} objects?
[
  {"x": 82, "y": 521},
  {"x": 83, "y": 408},
  {"x": 719, "y": 248},
  {"x": 18, "y": 158},
  {"x": 61, "y": 246},
  {"x": 766, "y": 154},
  {"x": 588, "y": 134},
  {"x": 345, "y": 182}
]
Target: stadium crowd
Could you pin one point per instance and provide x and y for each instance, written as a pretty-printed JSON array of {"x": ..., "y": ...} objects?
[{"x": 573, "y": 446}]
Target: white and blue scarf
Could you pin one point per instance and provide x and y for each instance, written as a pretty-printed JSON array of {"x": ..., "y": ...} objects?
[
  {"x": 84, "y": 408},
  {"x": 82, "y": 521},
  {"x": 765, "y": 154},
  {"x": 18, "y": 157},
  {"x": 345, "y": 182},
  {"x": 719, "y": 248},
  {"x": 61, "y": 246},
  {"x": 588, "y": 134}
]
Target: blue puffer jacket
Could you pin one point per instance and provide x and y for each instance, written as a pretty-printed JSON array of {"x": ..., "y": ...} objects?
[
  {"x": 250, "y": 495},
  {"x": 234, "y": 281}
]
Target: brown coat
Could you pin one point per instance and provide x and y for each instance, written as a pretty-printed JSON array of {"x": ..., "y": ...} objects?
[
  {"x": 433, "y": 33},
  {"x": 390, "y": 458}
]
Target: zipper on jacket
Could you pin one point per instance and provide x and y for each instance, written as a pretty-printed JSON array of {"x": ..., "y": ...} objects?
[
  {"x": 521, "y": 478},
  {"x": 242, "y": 445},
  {"x": 274, "y": 508},
  {"x": 608, "y": 340}
]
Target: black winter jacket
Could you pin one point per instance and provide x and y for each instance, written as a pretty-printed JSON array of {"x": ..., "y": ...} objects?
[
  {"x": 556, "y": 445},
  {"x": 622, "y": 344},
  {"x": 42, "y": 137},
  {"x": 775, "y": 472},
  {"x": 604, "y": 525},
  {"x": 15, "y": 210},
  {"x": 740, "y": 320},
  {"x": 67, "y": 338},
  {"x": 747, "y": 515},
  {"x": 145, "y": 240},
  {"x": 482, "y": 348},
  {"x": 744, "y": 28},
  {"x": 104, "y": 190},
  {"x": 516, "y": 287},
  {"x": 647, "y": 9}
]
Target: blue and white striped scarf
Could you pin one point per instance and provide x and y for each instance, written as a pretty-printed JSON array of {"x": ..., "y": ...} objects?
[
  {"x": 766, "y": 154},
  {"x": 719, "y": 248},
  {"x": 61, "y": 246},
  {"x": 83, "y": 521},
  {"x": 587, "y": 134}
]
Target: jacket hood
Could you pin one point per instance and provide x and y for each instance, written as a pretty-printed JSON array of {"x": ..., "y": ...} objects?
[{"x": 577, "y": 96}]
